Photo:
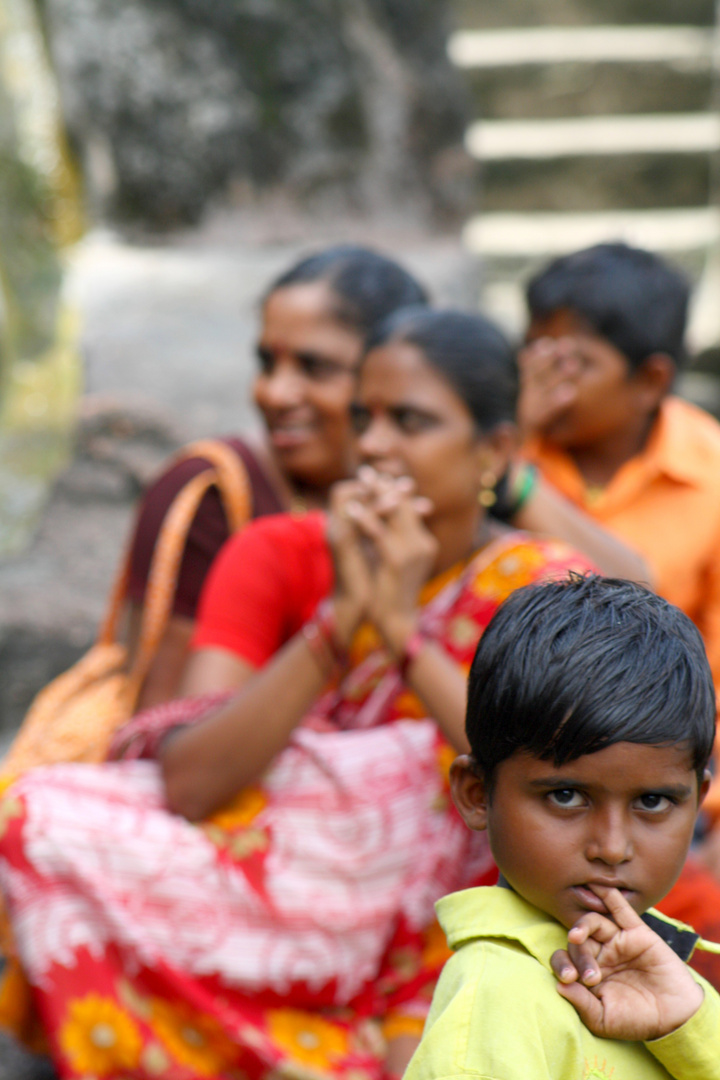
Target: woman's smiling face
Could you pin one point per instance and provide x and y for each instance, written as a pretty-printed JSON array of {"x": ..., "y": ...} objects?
[{"x": 308, "y": 364}]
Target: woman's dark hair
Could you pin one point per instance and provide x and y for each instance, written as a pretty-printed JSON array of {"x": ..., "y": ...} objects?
[
  {"x": 366, "y": 286},
  {"x": 568, "y": 668},
  {"x": 468, "y": 350},
  {"x": 630, "y": 297}
]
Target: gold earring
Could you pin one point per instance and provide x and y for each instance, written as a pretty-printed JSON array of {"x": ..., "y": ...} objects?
[{"x": 487, "y": 496}]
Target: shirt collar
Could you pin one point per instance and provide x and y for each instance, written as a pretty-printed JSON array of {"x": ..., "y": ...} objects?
[
  {"x": 671, "y": 445},
  {"x": 673, "y": 449},
  {"x": 493, "y": 912},
  {"x": 499, "y": 913}
]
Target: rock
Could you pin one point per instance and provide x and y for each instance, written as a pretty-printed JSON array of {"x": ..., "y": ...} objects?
[
  {"x": 120, "y": 444},
  {"x": 54, "y": 593},
  {"x": 18, "y": 1064},
  {"x": 171, "y": 102},
  {"x": 30, "y": 659}
]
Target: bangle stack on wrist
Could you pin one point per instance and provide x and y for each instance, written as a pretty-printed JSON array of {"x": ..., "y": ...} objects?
[
  {"x": 412, "y": 647},
  {"x": 511, "y": 496},
  {"x": 320, "y": 633}
]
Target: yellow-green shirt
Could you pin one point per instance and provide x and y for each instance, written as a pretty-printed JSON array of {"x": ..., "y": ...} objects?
[{"x": 496, "y": 1013}]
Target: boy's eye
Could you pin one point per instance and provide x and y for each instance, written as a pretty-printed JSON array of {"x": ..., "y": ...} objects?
[
  {"x": 654, "y": 803},
  {"x": 567, "y": 798}
]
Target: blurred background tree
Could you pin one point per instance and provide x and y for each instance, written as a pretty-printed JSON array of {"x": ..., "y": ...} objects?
[
  {"x": 39, "y": 214},
  {"x": 172, "y": 103}
]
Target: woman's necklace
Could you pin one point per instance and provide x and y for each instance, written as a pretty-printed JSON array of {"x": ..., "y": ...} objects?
[{"x": 298, "y": 504}]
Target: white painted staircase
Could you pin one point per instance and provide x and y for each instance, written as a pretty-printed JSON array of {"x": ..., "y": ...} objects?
[{"x": 593, "y": 131}]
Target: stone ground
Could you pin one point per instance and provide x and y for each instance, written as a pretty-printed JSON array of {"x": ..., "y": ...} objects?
[{"x": 167, "y": 351}]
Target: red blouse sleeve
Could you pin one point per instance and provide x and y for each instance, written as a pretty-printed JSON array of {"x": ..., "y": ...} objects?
[{"x": 265, "y": 583}]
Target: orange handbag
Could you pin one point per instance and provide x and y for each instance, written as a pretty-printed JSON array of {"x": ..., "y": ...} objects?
[{"x": 75, "y": 716}]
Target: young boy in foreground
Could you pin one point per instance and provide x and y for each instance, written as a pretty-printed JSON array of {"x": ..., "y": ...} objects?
[{"x": 591, "y": 717}]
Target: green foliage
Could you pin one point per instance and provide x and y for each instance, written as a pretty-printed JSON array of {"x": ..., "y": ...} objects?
[{"x": 29, "y": 265}]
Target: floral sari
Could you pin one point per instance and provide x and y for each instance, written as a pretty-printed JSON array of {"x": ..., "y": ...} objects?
[{"x": 290, "y": 934}]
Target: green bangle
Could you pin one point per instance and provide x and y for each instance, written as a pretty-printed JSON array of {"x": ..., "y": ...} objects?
[{"x": 523, "y": 488}]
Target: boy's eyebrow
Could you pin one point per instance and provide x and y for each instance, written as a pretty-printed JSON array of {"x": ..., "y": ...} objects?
[{"x": 678, "y": 791}]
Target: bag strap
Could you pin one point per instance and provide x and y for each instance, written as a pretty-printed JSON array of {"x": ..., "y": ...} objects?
[
  {"x": 228, "y": 473},
  {"x": 233, "y": 482}
]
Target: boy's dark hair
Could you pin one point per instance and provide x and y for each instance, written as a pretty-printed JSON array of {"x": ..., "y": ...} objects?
[
  {"x": 568, "y": 668},
  {"x": 469, "y": 351},
  {"x": 366, "y": 285},
  {"x": 630, "y": 297}
]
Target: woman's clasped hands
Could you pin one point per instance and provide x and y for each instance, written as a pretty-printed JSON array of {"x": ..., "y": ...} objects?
[{"x": 383, "y": 554}]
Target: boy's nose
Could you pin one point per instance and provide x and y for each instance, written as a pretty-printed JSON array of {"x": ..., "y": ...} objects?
[{"x": 609, "y": 840}]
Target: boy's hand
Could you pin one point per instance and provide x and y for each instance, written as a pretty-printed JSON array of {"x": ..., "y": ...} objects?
[
  {"x": 624, "y": 981},
  {"x": 549, "y": 372}
]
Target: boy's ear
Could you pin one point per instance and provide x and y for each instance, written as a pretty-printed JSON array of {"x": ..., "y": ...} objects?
[
  {"x": 655, "y": 378},
  {"x": 705, "y": 786},
  {"x": 469, "y": 792}
]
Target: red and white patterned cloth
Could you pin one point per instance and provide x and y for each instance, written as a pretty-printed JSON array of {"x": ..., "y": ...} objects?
[{"x": 292, "y": 931}]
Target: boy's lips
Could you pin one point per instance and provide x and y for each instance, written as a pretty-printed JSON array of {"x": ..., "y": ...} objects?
[{"x": 589, "y": 899}]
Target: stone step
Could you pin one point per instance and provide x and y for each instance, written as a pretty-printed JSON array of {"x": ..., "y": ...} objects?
[
  {"x": 539, "y": 235},
  {"x": 569, "y": 44},
  {"x": 493, "y": 140},
  {"x": 599, "y": 122},
  {"x": 485, "y": 14},
  {"x": 587, "y": 89},
  {"x": 604, "y": 182}
]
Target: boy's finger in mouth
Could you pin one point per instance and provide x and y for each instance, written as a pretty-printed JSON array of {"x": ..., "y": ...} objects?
[{"x": 590, "y": 899}]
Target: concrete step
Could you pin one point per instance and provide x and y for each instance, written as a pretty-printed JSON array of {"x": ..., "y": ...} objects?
[
  {"x": 569, "y": 44},
  {"x": 599, "y": 122},
  {"x": 690, "y": 133},
  {"x": 603, "y": 182},
  {"x": 588, "y": 89},
  {"x": 540, "y": 235},
  {"x": 485, "y": 14}
]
